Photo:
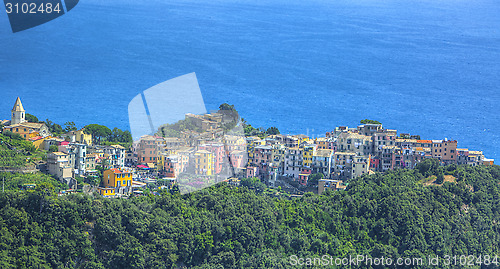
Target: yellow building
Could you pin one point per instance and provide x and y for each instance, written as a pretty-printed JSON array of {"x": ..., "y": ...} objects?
[
  {"x": 19, "y": 124},
  {"x": 81, "y": 137},
  {"x": 37, "y": 141},
  {"x": 163, "y": 156},
  {"x": 322, "y": 142},
  {"x": 307, "y": 155},
  {"x": 204, "y": 162},
  {"x": 29, "y": 130},
  {"x": 116, "y": 182},
  {"x": 234, "y": 143},
  {"x": 301, "y": 139},
  {"x": 161, "y": 160},
  {"x": 253, "y": 142}
]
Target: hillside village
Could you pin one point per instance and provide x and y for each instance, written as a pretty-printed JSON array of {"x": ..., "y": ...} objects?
[{"x": 210, "y": 148}]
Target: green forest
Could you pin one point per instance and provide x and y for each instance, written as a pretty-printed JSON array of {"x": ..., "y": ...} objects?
[{"x": 393, "y": 215}]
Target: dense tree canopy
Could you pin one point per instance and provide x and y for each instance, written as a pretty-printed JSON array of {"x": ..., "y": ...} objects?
[
  {"x": 367, "y": 121},
  {"x": 70, "y": 126},
  {"x": 314, "y": 178},
  {"x": 272, "y": 131},
  {"x": 175, "y": 129},
  {"x": 98, "y": 132},
  {"x": 119, "y": 136},
  {"x": 226, "y": 106},
  {"x": 31, "y": 118},
  {"x": 54, "y": 128},
  {"x": 391, "y": 214}
]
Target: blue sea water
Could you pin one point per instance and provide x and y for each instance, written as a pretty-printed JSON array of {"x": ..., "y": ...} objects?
[{"x": 423, "y": 67}]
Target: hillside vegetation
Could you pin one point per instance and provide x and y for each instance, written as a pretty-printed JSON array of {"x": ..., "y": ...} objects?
[
  {"x": 15, "y": 152},
  {"x": 392, "y": 215}
]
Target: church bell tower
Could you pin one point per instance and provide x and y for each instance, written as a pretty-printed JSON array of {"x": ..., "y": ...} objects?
[{"x": 18, "y": 113}]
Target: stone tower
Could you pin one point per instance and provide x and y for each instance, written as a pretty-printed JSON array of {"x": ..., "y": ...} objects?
[{"x": 18, "y": 113}]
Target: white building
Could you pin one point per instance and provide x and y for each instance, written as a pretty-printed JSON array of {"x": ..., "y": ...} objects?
[
  {"x": 116, "y": 155},
  {"x": 76, "y": 156},
  {"x": 293, "y": 162},
  {"x": 322, "y": 162},
  {"x": 59, "y": 166}
]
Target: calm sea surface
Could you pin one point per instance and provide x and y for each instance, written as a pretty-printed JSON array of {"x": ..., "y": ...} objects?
[{"x": 422, "y": 67}]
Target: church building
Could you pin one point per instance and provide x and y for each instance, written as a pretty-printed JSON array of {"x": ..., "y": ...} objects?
[{"x": 19, "y": 125}]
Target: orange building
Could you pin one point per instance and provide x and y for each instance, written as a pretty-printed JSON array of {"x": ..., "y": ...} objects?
[{"x": 450, "y": 151}]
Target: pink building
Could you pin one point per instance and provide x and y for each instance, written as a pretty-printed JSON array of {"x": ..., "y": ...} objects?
[
  {"x": 238, "y": 159},
  {"x": 304, "y": 176},
  {"x": 262, "y": 155},
  {"x": 252, "y": 171},
  {"x": 172, "y": 167},
  {"x": 218, "y": 152},
  {"x": 262, "y": 158}
]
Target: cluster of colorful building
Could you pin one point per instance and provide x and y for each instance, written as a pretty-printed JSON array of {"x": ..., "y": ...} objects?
[
  {"x": 75, "y": 154},
  {"x": 204, "y": 151},
  {"x": 207, "y": 151},
  {"x": 201, "y": 152},
  {"x": 346, "y": 153}
]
